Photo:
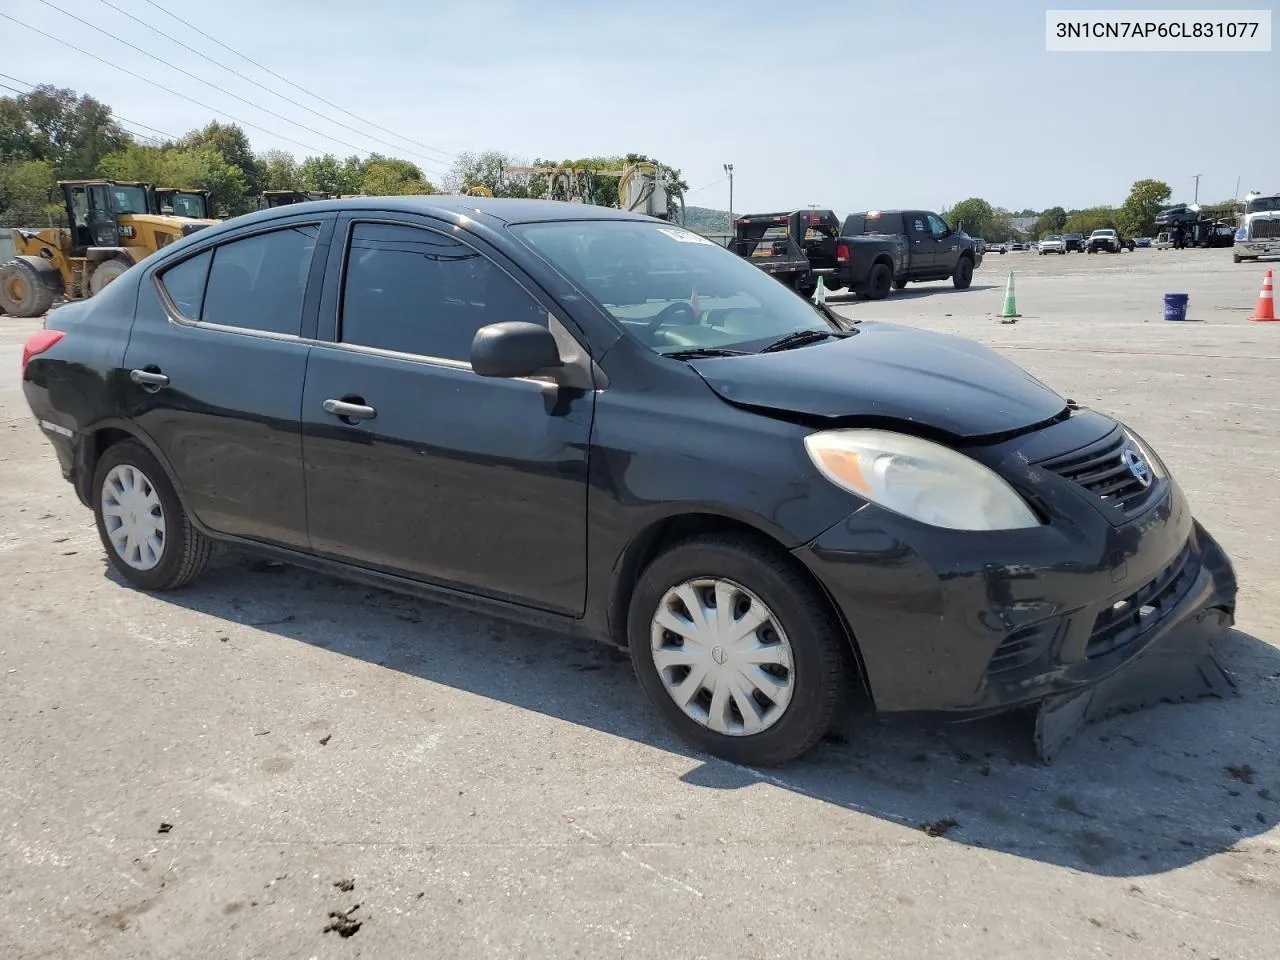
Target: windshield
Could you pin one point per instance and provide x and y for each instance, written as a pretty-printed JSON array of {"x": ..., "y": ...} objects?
[
  {"x": 1053, "y": 239},
  {"x": 673, "y": 290},
  {"x": 1263, "y": 205},
  {"x": 129, "y": 199},
  {"x": 1103, "y": 233},
  {"x": 187, "y": 205}
]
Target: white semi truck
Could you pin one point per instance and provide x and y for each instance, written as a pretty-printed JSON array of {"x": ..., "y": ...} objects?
[{"x": 1259, "y": 235}]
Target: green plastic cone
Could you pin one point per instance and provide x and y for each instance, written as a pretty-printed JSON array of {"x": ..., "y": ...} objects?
[
  {"x": 820, "y": 292},
  {"x": 1010, "y": 308}
]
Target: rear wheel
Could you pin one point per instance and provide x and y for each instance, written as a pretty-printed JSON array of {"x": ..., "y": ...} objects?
[
  {"x": 964, "y": 274},
  {"x": 737, "y": 650},
  {"x": 104, "y": 273},
  {"x": 147, "y": 534},
  {"x": 879, "y": 282},
  {"x": 23, "y": 292}
]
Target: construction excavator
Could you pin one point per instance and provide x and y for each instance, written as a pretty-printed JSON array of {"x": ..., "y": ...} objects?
[{"x": 112, "y": 224}]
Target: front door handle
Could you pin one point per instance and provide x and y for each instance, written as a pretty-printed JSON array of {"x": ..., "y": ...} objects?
[
  {"x": 347, "y": 411},
  {"x": 149, "y": 378}
]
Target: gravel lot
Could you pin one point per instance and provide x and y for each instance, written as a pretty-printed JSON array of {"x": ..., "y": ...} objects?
[{"x": 201, "y": 774}]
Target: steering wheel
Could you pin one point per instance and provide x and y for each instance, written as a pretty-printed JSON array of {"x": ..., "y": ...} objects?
[{"x": 668, "y": 314}]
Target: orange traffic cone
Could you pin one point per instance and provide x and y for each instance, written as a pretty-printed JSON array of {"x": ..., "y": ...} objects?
[{"x": 1266, "y": 308}]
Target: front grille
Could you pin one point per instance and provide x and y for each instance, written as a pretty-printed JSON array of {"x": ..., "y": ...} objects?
[
  {"x": 1023, "y": 647},
  {"x": 1128, "y": 619},
  {"x": 1101, "y": 469},
  {"x": 1267, "y": 229}
]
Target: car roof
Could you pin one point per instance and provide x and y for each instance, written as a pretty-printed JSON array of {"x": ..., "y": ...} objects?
[{"x": 505, "y": 210}]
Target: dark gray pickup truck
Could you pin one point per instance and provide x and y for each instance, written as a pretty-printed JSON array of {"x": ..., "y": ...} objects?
[
  {"x": 932, "y": 250},
  {"x": 799, "y": 247}
]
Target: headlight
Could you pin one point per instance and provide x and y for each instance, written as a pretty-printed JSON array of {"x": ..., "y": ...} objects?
[{"x": 919, "y": 479}]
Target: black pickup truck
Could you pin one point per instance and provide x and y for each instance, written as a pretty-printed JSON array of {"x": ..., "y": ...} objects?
[
  {"x": 931, "y": 249},
  {"x": 799, "y": 247}
]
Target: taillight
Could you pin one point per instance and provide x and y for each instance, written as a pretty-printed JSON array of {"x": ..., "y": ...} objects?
[
  {"x": 842, "y": 253},
  {"x": 38, "y": 343}
]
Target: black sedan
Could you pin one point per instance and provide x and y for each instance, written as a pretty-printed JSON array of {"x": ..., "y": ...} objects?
[{"x": 605, "y": 423}]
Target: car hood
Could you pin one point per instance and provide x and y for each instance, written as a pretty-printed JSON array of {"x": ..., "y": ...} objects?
[{"x": 890, "y": 372}]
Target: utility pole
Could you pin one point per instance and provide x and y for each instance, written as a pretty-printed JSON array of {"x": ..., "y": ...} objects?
[
  {"x": 728, "y": 169},
  {"x": 1197, "y": 197}
]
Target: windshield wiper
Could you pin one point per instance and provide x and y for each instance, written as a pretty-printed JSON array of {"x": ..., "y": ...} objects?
[
  {"x": 693, "y": 353},
  {"x": 798, "y": 339}
]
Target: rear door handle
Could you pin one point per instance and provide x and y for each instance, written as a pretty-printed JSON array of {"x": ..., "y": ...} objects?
[
  {"x": 347, "y": 411},
  {"x": 149, "y": 378}
]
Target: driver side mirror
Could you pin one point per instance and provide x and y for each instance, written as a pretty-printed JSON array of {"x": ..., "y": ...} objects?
[{"x": 514, "y": 349}]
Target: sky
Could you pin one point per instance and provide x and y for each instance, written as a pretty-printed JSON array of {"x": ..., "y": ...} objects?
[{"x": 846, "y": 105}]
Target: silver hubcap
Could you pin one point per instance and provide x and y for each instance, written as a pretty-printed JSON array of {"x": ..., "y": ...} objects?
[
  {"x": 133, "y": 517},
  {"x": 722, "y": 656}
]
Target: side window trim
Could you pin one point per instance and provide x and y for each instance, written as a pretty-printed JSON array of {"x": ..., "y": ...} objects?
[
  {"x": 335, "y": 295},
  {"x": 311, "y": 293}
]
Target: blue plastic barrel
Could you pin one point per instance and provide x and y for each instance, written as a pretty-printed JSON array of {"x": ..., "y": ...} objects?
[{"x": 1175, "y": 306}]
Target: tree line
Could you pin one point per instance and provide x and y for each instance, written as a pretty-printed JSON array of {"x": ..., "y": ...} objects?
[
  {"x": 51, "y": 134},
  {"x": 1135, "y": 217}
]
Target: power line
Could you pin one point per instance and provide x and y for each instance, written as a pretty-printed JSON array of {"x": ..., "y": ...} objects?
[
  {"x": 261, "y": 86},
  {"x": 327, "y": 103},
  {"x": 135, "y": 123},
  {"x": 707, "y": 186},
  {"x": 222, "y": 90},
  {"x": 160, "y": 86}
]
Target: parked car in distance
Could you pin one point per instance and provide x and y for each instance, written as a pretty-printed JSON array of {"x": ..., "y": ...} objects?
[
  {"x": 604, "y": 423},
  {"x": 1104, "y": 239},
  {"x": 1018, "y": 245},
  {"x": 1052, "y": 244},
  {"x": 1074, "y": 242},
  {"x": 998, "y": 247},
  {"x": 1163, "y": 241},
  {"x": 1142, "y": 241}
]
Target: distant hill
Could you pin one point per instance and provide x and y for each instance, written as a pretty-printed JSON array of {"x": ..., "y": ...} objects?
[{"x": 706, "y": 220}]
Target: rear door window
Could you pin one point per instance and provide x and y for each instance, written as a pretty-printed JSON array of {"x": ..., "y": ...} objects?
[
  {"x": 258, "y": 282},
  {"x": 416, "y": 291}
]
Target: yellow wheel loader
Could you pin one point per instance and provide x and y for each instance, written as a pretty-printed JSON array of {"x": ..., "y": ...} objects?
[{"x": 112, "y": 227}]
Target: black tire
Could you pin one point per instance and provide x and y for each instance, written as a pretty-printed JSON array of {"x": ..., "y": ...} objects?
[
  {"x": 964, "y": 274},
  {"x": 185, "y": 551},
  {"x": 819, "y": 649},
  {"x": 879, "y": 283},
  {"x": 1235, "y": 259},
  {"x": 23, "y": 292},
  {"x": 900, "y": 284},
  {"x": 105, "y": 272}
]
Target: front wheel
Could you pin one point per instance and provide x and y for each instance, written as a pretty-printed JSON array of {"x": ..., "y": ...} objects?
[
  {"x": 737, "y": 650},
  {"x": 964, "y": 274},
  {"x": 147, "y": 534},
  {"x": 23, "y": 292},
  {"x": 1235, "y": 259}
]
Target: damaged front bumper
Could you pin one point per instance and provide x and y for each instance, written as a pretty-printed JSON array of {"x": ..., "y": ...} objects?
[{"x": 1177, "y": 665}]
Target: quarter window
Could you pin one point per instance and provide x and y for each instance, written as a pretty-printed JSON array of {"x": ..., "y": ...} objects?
[
  {"x": 258, "y": 283},
  {"x": 417, "y": 291},
  {"x": 185, "y": 284}
]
